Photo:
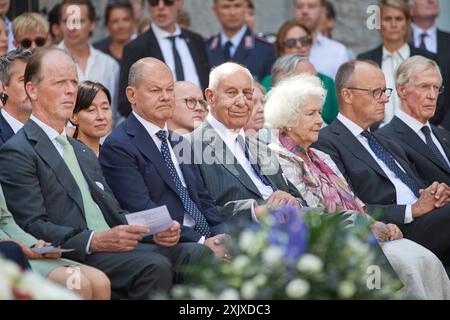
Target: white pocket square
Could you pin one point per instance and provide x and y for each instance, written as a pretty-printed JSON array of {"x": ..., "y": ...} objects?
[{"x": 100, "y": 185}]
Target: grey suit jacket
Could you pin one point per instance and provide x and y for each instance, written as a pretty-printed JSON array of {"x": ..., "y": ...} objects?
[
  {"x": 42, "y": 194},
  {"x": 226, "y": 181}
]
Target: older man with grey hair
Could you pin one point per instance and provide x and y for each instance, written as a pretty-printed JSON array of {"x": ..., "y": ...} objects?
[
  {"x": 238, "y": 172},
  {"x": 419, "y": 84}
]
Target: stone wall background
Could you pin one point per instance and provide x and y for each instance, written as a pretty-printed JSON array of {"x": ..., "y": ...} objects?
[{"x": 351, "y": 25}]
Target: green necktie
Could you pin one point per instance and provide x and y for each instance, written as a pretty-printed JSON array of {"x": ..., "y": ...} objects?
[{"x": 94, "y": 216}]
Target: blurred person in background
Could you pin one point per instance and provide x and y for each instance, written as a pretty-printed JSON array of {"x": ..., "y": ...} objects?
[
  {"x": 256, "y": 121},
  {"x": 328, "y": 20},
  {"x": 4, "y": 7},
  {"x": 3, "y": 37},
  {"x": 184, "y": 19},
  {"x": 119, "y": 20},
  {"x": 54, "y": 20},
  {"x": 31, "y": 30}
]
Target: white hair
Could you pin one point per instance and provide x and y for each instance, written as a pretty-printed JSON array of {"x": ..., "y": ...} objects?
[
  {"x": 225, "y": 69},
  {"x": 286, "y": 99},
  {"x": 412, "y": 66}
]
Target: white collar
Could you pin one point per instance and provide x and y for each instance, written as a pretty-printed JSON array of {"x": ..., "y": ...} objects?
[
  {"x": 92, "y": 51},
  {"x": 49, "y": 131},
  {"x": 15, "y": 124},
  {"x": 226, "y": 134},
  {"x": 151, "y": 128},
  {"x": 404, "y": 52},
  {"x": 355, "y": 129},
  {"x": 411, "y": 122},
  {"x": 417, "y": 31},
  {"x": 163, "y": 34},
  {"x": 236, "y": 39}
]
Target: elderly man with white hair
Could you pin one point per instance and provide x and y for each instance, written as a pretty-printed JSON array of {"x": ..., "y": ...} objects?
[
  {"x": 419, "y": 84},
  {"x": 293, "y": 108},
  {"x": 238, "y": 172}
]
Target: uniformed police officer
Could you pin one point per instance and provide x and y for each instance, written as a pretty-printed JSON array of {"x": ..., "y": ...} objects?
[{"x": 237, "y": 43}]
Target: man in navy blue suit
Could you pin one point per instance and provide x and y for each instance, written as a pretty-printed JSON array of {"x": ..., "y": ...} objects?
[
  {"x": 16, "y": 104},
  {"x": 237, "y": 43},
  {"x": 148, "y": 166}
]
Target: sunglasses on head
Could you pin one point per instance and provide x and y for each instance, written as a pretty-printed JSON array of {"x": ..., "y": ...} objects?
[
  {"x": 27, "y": 43},
  {"x": 168, "y": 3},
  {"x": 303, "y": 41}
]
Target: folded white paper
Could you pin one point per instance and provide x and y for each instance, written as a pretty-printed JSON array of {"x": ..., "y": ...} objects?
[
  {"x": 50, "y": 249},
  {"x": 156, "y": 219}
]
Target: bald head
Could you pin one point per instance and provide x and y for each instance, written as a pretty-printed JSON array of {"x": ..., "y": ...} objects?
[
  {"x": 147, "y": 65},
  {"x": 226, "y": 70}
]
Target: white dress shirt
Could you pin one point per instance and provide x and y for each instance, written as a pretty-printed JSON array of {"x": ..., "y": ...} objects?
[
  {"x": 404, "y": 195},
  {"x": 389, "y": 64},
  {"x": 417, "y": 126},
  {"x": 187, "y": 61},
  {"x": 15, "y": 124},
  {"x": 328, "y": 55},
  {"x": 101, "y": 68},
  {"x": 152, "y": 129},
  {"x": 229, "y": 137},
  {"x": 52, "y": 134},
  {"x": 235, "y": 40},
  {"x": 430, "y": 40}
]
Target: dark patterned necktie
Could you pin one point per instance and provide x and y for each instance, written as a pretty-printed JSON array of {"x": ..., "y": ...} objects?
[
  {"x": 422, "y": 44},
  {"x": 201, "y": 225},
  {"x": 389, "y": 161},
  {"x": 179, "y": 72},
  {"x": 227, "y": 50},
  {"x": 432, "y": 146}
]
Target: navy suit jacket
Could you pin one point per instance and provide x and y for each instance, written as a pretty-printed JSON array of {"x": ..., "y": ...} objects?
[
  {"x": 146, "y": 45},
  {"x": 253, "y": 52},
  {"x": 428, "y": 166},
  {"x": 363, "y": 173},
  {"x": 135, "y": 170},
  {"x": 6, "y": 131}
]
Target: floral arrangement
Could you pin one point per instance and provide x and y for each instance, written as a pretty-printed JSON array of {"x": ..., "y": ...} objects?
[
  {"x": 28, "y": 285},
  {"x": 296, "y": 255}
]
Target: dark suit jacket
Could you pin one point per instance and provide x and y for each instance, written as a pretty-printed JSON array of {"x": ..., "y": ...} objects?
[
  {"x": 226, "y": 181},
  {"x": 135, "y": 169},
  {"x": 364, "y": 175},
  {"x": 442, "y": 116},
  {"x": 146, "y": 45},
  {"x": 42, "y": 194},
  {"x": 428, "y": 166},
  {"x": 6, "y": 131},
  {"x": 253, "y": 52}
]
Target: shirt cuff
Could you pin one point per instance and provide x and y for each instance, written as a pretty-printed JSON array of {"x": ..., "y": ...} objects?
[
  {"x": 408, "y": 214},
  {"x": 89, "y": 243},
  {"x": 202, "y": 240},
  {"x": 254, "y": 217}
]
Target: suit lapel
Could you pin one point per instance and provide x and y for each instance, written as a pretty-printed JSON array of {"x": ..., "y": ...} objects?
[
  {"x": 47, "y": 151},
  {"x": 6, "y": 131},
  {"x": 153, "y": 46},
  {"x": 443, "y": 140},
  {"x": 355, "y": 147},
  {"x": 409, "y": 137},
  {"x": 192, "y": 49},
  {"x": 142, "y": 140},
  {"x": 224, "y": 156},
  {"x": 245, "y": 47}
]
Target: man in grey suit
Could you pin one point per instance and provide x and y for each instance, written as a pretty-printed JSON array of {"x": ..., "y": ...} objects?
[
  {"x": 55, "y": 189},
  {"x": 239, "y": 173}
]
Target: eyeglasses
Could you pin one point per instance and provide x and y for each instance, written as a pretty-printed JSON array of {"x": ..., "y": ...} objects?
[
  {"x": 27, "y": 43},
  {"x": 168, "y": 3},
  {"x": 302, "y": 41},
  {"x": 248, "y": 95},
  {"x": 377, "y": 93},
  {"x": 191, "y": 103}
]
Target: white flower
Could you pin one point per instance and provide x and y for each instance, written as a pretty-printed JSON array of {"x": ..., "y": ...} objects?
[
  {"x": 297, "y": 288},
  {"x": 346, "y": 289},
  {"x": 249, "y": 290},
  {"x": 40, "y": 288},
  {"x": 229, "y": 294},
  {"x": 179, "y": 292},
  {"x": 246, "y": 241},
  {"x": 240, "y": 263},
  {"x": 9, "y": 270},
  {"x": 200, "y": 294},
  {"x": 360, "y": 248},
  {"x": 260, "y": 280},
  {"x": 5, "y": 288},
  {"x": 309, "y": 263},
  {"x": 273, "y": 256}
]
